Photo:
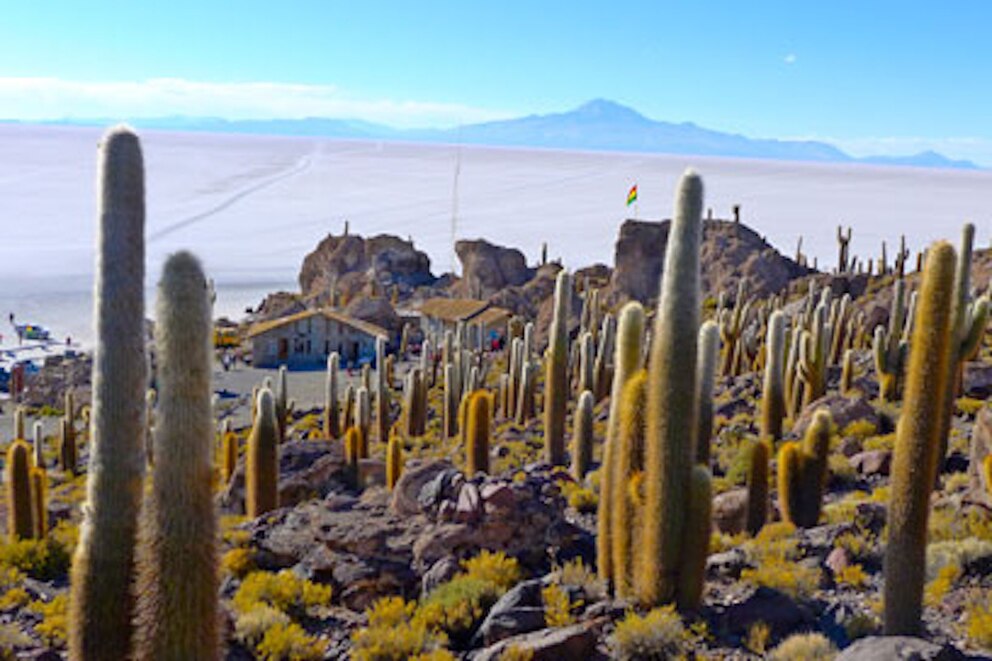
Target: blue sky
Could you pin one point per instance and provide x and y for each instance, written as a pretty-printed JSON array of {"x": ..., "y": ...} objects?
[{"x": 873, "y": 77}]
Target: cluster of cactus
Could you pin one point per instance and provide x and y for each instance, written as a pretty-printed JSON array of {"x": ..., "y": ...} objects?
[
  {"x": 919, "y": 435},
  {"x": 654, "y": 425},
  {"x": 732, "y": 323},
  {"x": 174, "y": 612},
  {"x": 843, "y": 249},
  {"x": 617, "y": 466},
  {"x": 889, "y": 345},
  {"x": 802, "y": 472}
]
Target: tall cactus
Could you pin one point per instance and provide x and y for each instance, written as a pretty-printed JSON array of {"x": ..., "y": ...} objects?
[
  {"x": 282, "y": 402},
  {"x": 587, "y": 359},
  {"x": 101, "y": 602},
  {"x": 528, "y": 392},
  {"x": 332, "y": 411},
  {"x": 773, "y": 391},
  {"x": 229, "y": 455},
  {"x": 38, "y": 443},
  {"x": 178, "y": 578},
  {"x": 757, "y": 486},
  {"x": 262, "y": 459},
  {"x": 382, "y": 392},
  {"x": 630, "y": 335},
  {"x": 20, "y": 514},
  {"x": 556, "y": 375},
  {"x": 709, "y": 349},
  {"x": 582, "y": 436},
  {"x": 394, "y": 461},
  {"x": 914, "y": 462},
  {"x": 39, "y": 501},
  {"x": 452, "y": 398},
  {"x": 802, "y": 473},
  {"x": 889, "y": 347},
  {"x": 67, "y": 446},
  {"x": 601, "y": 376},
  {"x": 846, "y": 385},
  {"x": 627, "y": 460},
  {"x": 19, "y": 416},
  {"x": 671, "y": 415},
  {"x": 968, "y": 323},
  {"x": 477, "y": 433},
  {"x": 732, "y": 322}
]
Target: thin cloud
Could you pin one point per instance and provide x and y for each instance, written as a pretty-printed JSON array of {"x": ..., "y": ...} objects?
[
  {"x": 57, "y": 98},
  {"x": 790, "y": 58}
]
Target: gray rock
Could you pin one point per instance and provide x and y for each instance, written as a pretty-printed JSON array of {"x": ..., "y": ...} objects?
[
  {"x": 899, "y": 648},
  {"x": 776, "y": 609},
  {"x": 573, "y": 642},
  {"x": 843, "y": 411},
  {"x": 408, "y": 489},
  {"x": 728, "y": 564},
  {"x": 730, "y": 511},
  {"x": 440, "y": 572},
  {"x": 872, "y": 462}
]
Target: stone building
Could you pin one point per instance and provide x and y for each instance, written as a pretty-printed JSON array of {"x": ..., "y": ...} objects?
[{"x": 304, "y": 340}]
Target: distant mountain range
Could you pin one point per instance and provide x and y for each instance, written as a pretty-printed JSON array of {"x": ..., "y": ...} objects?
[{"x": 597, "y": 125}]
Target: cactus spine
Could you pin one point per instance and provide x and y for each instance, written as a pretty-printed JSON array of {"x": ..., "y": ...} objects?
[
  {"x": 582, "y": 436},
  {"x": 802, "y": 473},
  {"x": 477, "y": 432},
  {"x": 332, "y": 412},
  {"x": 914, "y": 462},
  {"x": 177, "y": 584},
  {"x": 773, "y": 392},
  {"x": 671, "y": 414},
  {"x": 556, "y": 375},
  {"x": 630, "y": 334},
  {"x": 262, "y": 459},
  {"x": 20, "y": 515},
  {"x": 101, "y": 603}
]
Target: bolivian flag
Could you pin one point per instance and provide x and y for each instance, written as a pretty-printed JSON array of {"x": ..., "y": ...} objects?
[{"x": 632, "y": 195}]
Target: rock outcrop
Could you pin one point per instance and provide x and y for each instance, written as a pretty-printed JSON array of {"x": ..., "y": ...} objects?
[
  {"x": 488, "y": 268},
  {"x": 351, "y": 263},
  {"x": 731, "y": 252}
]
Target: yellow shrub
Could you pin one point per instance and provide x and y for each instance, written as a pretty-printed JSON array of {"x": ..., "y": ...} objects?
[
  {"x": 557, "y": 606},
  {"x": 43, "y": 559},
  {"x": 515, "y": 653},
  {"x": 238, "y": 562},
  {"x": 979, "y": 617},
  {"x": 657, "y": 635},
  {"x": 861, "y": 429},
  {"x": 852, "y": 576},
  {"x": 757, "y": 637},
  {"x": 970, "y": 406},
  {"x": 938, "y": 588},
  {"x": 495, "y": 568},
  {"x": 883, "y": 442},
  {"x": 393, "y": 634},
  {"x": 575, "y": 573},
  {"x": 13, "y": 598},
  {"x": 54, "y": 624},
  {"x": 804, "y": 647},
  {"x": 283, "y": 591},
  {"x": 250, "y": 626},
  {"x": 582, "y": 499},
  {"x": 774, "y": 552},
  {"x": 11, "y": 638},
  {"x": 289, "y": 642},
  {"x": 457, "y": 606}
]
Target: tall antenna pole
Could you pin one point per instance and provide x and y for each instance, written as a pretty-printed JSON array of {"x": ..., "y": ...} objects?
[{"x": 454, "y": 200}]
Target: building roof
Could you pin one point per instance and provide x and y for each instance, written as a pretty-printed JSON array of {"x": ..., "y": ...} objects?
[
  {"x": 492, "y": 316},
  {"x": 452, "y": 309},
  {"x": 363, "y": 326}
]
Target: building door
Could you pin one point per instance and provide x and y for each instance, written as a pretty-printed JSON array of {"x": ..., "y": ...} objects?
[{"x": 283, "y": 349}]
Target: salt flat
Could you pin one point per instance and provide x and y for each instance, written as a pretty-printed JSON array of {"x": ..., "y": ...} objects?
[{"x": 253, "y": 206}]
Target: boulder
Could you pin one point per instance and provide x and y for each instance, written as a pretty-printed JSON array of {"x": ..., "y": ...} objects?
[
  {"x": 488, "y": 268},
  {"x": 375, "y": 310},
  {"x": 899, "y": 648},
  {"x": 777, "y": 610},
  {"x": 730, "y": 252},
  {"x": 730, "y": 511},
  {"x": 977, "y": 380},
  {"x": 577, "y": 641},
  {"x": 843, "y": 411},
  {"x": 351, "y": 262},
  {"x": 872, "y": 462},
  {"x": 521, "y": 610}
]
